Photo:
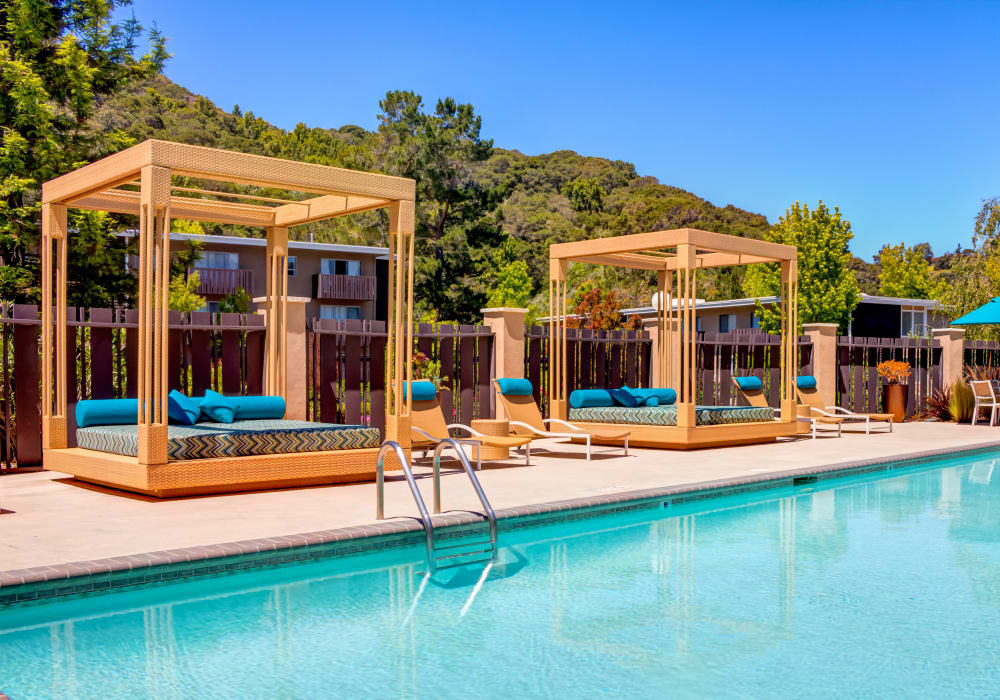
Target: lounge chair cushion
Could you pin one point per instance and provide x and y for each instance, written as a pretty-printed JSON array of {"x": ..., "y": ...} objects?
[
  {"x": 806, "y": 382},
  {"x": 667, "y": 415},
  {"x": 623, "y": 398},
  {"x": 182, "y": 409},
  {"x": 259, "y": 407},
  {"x": 750, "y": 383},
  {"x": 107, "y": 412},
  {"x": 514, "y": 387},
  {"x": 218, "y": 408},
  {"x": 664, "y": 397},
  {"x": 590, "y": 398},
  {"x": 423, "y": 390}
]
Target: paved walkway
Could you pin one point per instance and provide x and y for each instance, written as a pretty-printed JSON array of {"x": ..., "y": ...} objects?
[{"x": 55, "y": 520}]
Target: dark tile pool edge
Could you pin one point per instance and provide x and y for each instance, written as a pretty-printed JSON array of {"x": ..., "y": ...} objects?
[{"x": 22, "y": 586}]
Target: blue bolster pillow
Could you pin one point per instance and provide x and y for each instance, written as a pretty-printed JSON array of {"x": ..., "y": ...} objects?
[
  {"x": 423, "y": 390},
  {"x": 664, "y": 397},
  {"x": 258, "y": 407},
  {"x": 182, "y": 409},
  {"x": 218, "y": 408},
  {"x": 514, "y": 387},
  {"x": 107, "y": 412},
  {"x": 750, "y": 383},
  {"x": 591, "y": 398},
  {"x": 806, "y": 382}
]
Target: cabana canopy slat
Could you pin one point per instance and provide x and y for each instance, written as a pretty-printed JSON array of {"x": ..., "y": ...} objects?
[
  {"x": 676, "y": 255},
  {"x": 152, "y": 165}
]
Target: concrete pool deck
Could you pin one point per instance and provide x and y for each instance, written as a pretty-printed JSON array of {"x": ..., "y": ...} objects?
[{"x": 51, "y": 520}]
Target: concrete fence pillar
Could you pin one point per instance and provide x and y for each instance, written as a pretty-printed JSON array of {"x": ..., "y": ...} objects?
[
  {"x": 297, "y": 385},
  {"x": 824, "y": 341},
  {"x": 952, "y": 353},
  {"x": 508, "y": 345}
]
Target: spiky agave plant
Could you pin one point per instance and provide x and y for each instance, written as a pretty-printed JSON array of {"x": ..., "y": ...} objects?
[
  {"x": 974, "y": 373},
  {"x": 938, "y": 405}
]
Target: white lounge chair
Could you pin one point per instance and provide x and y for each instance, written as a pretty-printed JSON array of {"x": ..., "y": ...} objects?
[{"x": 987, "y": 396}]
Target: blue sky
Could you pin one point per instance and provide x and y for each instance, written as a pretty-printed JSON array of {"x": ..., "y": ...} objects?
[{"x": 888, "y": 110}]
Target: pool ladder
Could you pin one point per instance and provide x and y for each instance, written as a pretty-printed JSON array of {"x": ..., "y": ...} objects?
[{"x": 454, "y": 554}]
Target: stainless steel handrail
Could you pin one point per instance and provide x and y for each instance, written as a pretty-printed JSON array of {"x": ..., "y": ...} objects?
[
  {"x": 490, "y": 515},
  {"x": 425, "y": 517}
]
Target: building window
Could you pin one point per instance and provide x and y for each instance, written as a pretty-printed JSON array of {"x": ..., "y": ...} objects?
[
  {"x": 727, "y": 322},
  {"x": 339, "y": 313},
  {"x": 913, "y": 322},
  {"x": 211, "y": 307},
  {"x": 697, "y": 324},
  {"x": 754, "y": 321},
  {"x": 333, "y": 266},
  {"x": 218, "y": 260},
  {"x": 293, "y": 265}
]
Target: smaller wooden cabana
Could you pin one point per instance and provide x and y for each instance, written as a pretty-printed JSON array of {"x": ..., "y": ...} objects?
[
  {"x": 676, "y": 256},
  {"x": 141, "y": 181}
]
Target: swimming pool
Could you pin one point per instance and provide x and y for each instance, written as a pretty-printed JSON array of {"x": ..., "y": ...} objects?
[{"x": 885, "y": 585}]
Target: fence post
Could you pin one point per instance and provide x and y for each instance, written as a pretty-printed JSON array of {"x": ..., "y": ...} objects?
[
  {"x": 952, "y": 353},
  {"x": 508, "y": 345},
  {"x": 824, "y": 341},
  {"x": 297, "y": 386}
]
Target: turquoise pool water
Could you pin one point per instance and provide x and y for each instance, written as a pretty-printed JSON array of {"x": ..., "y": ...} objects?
[{"x": 878, "y": 586}]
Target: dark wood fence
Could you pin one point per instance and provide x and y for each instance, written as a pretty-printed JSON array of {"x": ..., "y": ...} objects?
[
  {"x": 346, "y": 367},
  {"x": 859, "y": 388},
  {"x": 224, "y": 352},
  {"x": 982, "y": 356},
  {"x": 594, "y": 360},
  {"x": 722, "y": 356}
]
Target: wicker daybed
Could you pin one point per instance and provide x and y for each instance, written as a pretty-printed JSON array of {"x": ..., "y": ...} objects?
[
  {"x": 151, "y": 457},
  {"x": 675, "y": 256}
]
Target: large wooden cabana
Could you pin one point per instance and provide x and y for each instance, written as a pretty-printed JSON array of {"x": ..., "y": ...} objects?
[
  {"x": 142, "y": 181},
  {"x": 676, "y": 256}
]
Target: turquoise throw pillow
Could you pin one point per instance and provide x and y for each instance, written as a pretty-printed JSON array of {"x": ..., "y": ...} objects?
[
  {"x": 423, "y": 390},
  {"x": 750, "y": 383},
  {"x": 182, "y": 409},
  {"x": 806, "y": 382},
  {"x": 591, "y": 398},
  {"x": 107, "y": 412},
  {"x": 624, "y": 398},
  {"x": 664, "y": 397},
  {"x": 258, "y": 407},
  {"x": 514, "y": 387},
  {"x": 218, "y": 408},
  {"x": 652, "y": 401}
]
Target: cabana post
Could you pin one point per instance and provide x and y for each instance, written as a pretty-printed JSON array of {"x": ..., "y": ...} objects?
[
  {"x": 109, "y": 185},
  {"x": 676, "y": 256}
]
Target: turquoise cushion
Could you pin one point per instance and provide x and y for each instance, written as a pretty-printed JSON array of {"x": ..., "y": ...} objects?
[
  {"x": 664, "y": 397},
  {"x": 806, "y": 382},
  {"x": 218, "y": 408},
  {"x": 514, "y": 387},
  {"x": 623, "y": 398},
  {"x": 107, "y": 412},
  {"x": 652, "y": 401},
  {"x": 423, "y": 390},
  {"x": 750, "y": 383},
  {"x": 259, "y": 407},
  {"x": 591, "y": 398},
  {"x": 182, "y": 409}
]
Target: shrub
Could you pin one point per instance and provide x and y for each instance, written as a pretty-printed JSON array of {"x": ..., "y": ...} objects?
[
  {"x": 962, "y": 402},
  {"x": 938, "y": 405}
]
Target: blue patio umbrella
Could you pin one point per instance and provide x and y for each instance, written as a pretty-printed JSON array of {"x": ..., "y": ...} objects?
[{"x": 988, "y": 313}]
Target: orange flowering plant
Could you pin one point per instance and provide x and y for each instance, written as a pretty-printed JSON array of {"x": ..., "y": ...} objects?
[{"x": 894, "y": 371}]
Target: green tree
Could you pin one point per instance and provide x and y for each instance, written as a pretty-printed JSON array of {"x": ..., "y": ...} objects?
[
  {"x": 184, "y": 293},
  {"x": 58, "y": 61},
  {"x": 585, "y": 194},
  {"x": 511, "y": 285},
  {"x": 236, "y": 303},
  {"x": 906, "y": 272},
  {"x": 828, "y": 291}
]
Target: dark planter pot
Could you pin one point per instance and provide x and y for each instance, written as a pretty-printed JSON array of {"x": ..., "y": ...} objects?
[{"x": 894, "y": 397}]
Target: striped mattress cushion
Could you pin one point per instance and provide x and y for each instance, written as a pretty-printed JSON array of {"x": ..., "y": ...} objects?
[
  {"x": 667, "y": 415},
  {"x": 239, "y": 439}
]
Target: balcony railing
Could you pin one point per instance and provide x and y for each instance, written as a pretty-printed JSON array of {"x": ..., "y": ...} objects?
[
  {"x": 218, "y": 280},
  {"x": 346, "y": 287}
]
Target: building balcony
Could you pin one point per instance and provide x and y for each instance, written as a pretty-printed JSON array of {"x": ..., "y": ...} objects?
[
  {"x": 344, "y": 287},
  {"x": 220, "y": 281}
]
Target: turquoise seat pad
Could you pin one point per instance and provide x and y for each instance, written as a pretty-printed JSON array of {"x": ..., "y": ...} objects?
[
  {"x": 667, "y": 415},
  {"x": 239, "y": 439}
]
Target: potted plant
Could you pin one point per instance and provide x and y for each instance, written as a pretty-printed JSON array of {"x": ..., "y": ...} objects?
[{"x": 895, "y": 373}]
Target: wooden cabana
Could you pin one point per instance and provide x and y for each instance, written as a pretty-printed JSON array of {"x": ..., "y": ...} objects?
[
  {"x": 676, "y": 256},
  {"x": 140, "y": 181}
]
